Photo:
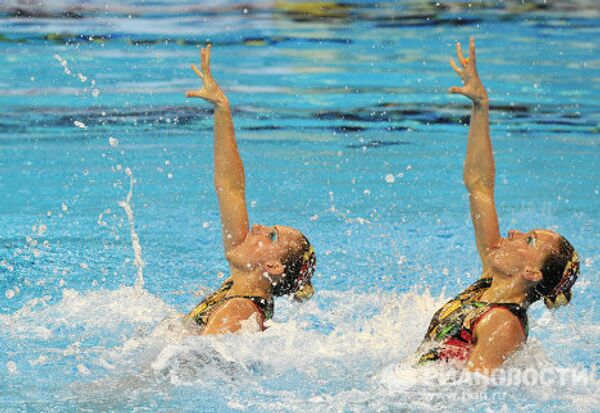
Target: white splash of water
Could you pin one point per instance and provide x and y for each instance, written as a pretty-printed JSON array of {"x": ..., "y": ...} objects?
[
  {"x": 95, "y": 92},
  {"x": 101, "y": 221},
  {"x": 11, "y": 367},
  {"x": 80, "y": 124},
  {"x": 63, "y": 63},
  {"x": 348, "y": 220},
  {"x": 344, "y": 351},
  {"x": 138, "y": 262}
]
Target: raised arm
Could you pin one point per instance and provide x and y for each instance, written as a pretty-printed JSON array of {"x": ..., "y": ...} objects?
[
  {"x": 479, "y": 170},
  {"x": 229, "y": 171}
]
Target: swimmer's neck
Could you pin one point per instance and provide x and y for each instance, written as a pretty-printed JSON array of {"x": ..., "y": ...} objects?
[
  {"x": 250, "y": 282},
  {"x": 506, "y": 290}
]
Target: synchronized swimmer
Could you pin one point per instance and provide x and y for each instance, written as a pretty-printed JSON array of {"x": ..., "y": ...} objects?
[
  {"x": 487, "y": 322},
  {"x": 265, "y": 261},
  {"x": 476, "y": 330}
]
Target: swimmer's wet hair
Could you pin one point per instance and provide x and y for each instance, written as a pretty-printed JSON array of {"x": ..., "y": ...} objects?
[
  {"x": 559, "y": 270},
  {"x": 299, "y": 269}
]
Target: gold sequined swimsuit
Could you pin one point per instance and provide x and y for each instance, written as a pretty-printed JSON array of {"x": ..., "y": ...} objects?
[{"x": 204, "y": 309}]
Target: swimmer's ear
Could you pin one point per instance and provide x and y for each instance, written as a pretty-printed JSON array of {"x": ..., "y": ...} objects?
[
  {"x": 533, "y": 275},
  {"x": 275, "y": 268}
]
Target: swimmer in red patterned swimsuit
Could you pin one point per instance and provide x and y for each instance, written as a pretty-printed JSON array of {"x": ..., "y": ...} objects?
[
  {"x": 265, "y": 261},
  {"x": 487, "y": 322}
]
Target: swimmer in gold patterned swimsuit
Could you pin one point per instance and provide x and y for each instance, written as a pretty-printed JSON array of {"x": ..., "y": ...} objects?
[
  {"x": 487, "y": 322},
  {"x": 265, "y": 261}
]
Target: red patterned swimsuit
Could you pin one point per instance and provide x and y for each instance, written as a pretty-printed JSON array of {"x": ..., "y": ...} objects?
[
  {"x": 450, "y": 333},
  {"x": 203, "y": 310}
]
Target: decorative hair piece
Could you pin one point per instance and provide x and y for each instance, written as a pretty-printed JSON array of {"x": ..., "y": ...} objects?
[
  {"x": 297, "y": 278},
  {"x": 561, "y": 294},
  {"x": 302, "y": 285}
]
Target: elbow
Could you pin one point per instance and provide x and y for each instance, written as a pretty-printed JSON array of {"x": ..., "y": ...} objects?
[
  {"x": 229, "y": 185},
  {"x": 479, "y": 184}
]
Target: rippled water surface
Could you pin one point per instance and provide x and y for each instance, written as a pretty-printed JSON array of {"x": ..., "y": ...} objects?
[{"x": 346, "y": 132}]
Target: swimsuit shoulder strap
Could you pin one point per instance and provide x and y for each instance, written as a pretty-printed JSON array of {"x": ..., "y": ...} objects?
[
  {"x": 473, "y": 291},
  {"x": 265, "y": 306},
  {"x": 449, "y": 314},
  {"x": 201, "y": 312}
]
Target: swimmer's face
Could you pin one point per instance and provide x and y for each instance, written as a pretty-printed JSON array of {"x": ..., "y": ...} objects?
[
  {"x": 523, "y": 253},
  {"x": 266, "y": 247}
]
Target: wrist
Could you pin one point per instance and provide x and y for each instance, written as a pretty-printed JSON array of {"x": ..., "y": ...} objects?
[
  {"x": 222, "y": 103},
  {"x": 481, "y": 102}
]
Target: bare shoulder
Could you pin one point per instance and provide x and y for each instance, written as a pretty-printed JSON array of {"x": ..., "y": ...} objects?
[
  {"x": 237, "y": 308},
  {"x": 232, "y": 316},
  {"x": 500, "y": 323}
]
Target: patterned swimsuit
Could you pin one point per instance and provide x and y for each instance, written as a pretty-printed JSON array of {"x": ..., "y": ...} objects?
[
  {"x": 204, "y": 309},
  {"x": 450, "y": 333}
]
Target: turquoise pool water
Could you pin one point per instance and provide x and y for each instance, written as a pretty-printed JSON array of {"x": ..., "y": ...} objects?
[{"x": 346, "y": 133}]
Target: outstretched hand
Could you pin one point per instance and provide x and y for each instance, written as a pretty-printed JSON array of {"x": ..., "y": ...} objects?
[
  {"x": 473, "y": 88},
  {"x": 210, "y": 90}
]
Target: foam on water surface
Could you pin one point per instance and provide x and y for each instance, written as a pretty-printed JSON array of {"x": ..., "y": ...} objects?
[{"x": 362, "y": 362}]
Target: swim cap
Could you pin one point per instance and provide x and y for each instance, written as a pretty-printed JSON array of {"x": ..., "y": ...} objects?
[{"x": 561, "y": 294}]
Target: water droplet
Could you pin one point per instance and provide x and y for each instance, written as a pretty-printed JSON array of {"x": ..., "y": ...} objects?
[
  {"x": 113, "y": 141},
  {"x": 11, "y": 367},
  {"x": 82, "y": 369},
  {"x": 39, "y": 361},
  {"x": 389, "y": 178}
]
